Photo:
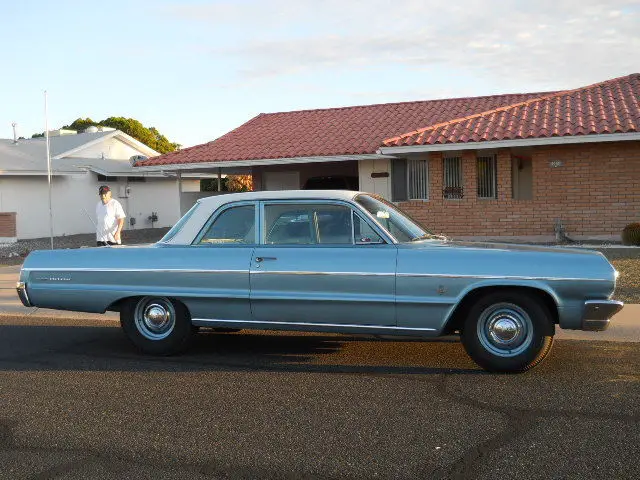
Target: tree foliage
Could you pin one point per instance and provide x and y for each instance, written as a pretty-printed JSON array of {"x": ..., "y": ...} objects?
[
  {"x": 230, "y": 183},
  {"x": 239, "y": 183},
  {"x": 151, "y": 137}
]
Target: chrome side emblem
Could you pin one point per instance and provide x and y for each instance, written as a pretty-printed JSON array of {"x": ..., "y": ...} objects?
[{"x": 54, "y": 279}]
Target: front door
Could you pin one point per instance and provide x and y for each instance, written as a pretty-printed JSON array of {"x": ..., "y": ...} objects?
[
  {"x": 223, "y": 251},
  {"x": 310, "y": 269}
]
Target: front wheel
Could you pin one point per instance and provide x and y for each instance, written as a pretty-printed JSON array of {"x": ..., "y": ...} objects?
[
  {"x": 157, "y": 325},
  {"x": 508, "y": 332}
]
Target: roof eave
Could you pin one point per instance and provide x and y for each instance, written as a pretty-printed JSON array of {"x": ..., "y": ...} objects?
[
  {"x": 265, "y": 161},
  {"x": 120, "y": 173},
  {"x": 523, "y": 142}
]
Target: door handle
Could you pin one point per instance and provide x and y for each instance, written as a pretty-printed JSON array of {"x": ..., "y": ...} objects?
[{"x": 262, "y": 259}]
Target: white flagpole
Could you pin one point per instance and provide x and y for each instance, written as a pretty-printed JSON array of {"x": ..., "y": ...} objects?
[{"x": 46, "y": 134}]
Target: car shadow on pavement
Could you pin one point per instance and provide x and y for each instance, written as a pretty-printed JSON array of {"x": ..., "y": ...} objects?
[{"x": 71, "y": 347}]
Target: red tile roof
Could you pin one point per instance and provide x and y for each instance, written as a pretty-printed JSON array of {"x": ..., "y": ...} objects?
[
  {"x": 607, "y": 107},
  {"x": 333, "y": 131}
]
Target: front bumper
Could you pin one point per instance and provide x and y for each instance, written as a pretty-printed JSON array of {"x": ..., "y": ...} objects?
[
  {"x": 597, "y": 314},
  {"x": 21, "y": 288}
]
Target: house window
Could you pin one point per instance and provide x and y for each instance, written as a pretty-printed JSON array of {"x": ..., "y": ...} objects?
[
  {"x": 103, "y": 178},
  {"x": 418, "y": 179},
  {"x": 136, "y": 179},
  {"x": 487, "y": 177},
  {"x": 452, "y": 178}
]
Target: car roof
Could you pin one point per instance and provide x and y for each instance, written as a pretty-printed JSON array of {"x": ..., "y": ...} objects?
[
  {"x": 216, "y": 200},
  {"x": 208, "y": 205}
]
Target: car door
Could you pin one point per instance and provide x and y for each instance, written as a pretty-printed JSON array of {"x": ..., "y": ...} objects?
[
  {"x": 221, "y": 253},
  {"x": 320, "y": 263}
]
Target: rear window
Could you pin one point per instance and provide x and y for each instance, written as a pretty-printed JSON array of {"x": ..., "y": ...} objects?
[{"x": 179, "y": 224}]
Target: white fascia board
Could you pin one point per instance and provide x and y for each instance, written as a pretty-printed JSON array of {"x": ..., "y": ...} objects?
[
  {"x": 523, "y": 142},
  {"x": 266, "y": 161},
  {"x": 36, "y": 173},
  {"x": 148, "y": 151},
  {"x": 107, "y": 173}
]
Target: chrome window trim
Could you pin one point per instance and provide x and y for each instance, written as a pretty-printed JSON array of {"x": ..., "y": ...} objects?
[{"x": 209, "y": 321}]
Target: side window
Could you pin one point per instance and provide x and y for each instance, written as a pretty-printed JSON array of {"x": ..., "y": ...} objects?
[
  {"x": 234, "y": 225},
  {"x": 364, "y": 234},
  {"x": 304, "y": 224},
  {"x": 288, "y": 224},
  {"x": 334, "y": 225}
]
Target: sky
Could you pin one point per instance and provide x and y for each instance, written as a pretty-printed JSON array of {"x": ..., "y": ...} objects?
[{"x": 196, "y": 70}]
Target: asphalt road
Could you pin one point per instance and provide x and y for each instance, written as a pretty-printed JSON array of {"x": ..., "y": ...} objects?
[{"x": 76, "y": 401}]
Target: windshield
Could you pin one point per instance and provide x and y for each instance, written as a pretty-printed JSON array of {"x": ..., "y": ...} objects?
[
  {"x": 396, "y": 222},
  {"x": 179, "y": 224}
]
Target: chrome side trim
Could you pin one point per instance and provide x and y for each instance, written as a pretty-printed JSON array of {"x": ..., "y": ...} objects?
[
  {"x": 154, "y": 270},
  {"x": 502, "y": 277},
  {"x": 597, "y": 314},
  {"x": 21, "y": 288},
  {"x": 213, "y": 321},
  {"x": 299, "y": 272},
  {"x": 186, "y": 270}
]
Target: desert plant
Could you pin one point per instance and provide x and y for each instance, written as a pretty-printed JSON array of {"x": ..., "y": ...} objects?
[{"x": 631, "y": 234}]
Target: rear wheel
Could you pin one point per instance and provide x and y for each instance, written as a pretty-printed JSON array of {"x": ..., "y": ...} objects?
[
  {"x": 508, "y": 332},
  {"x": 157, "y": 325}
]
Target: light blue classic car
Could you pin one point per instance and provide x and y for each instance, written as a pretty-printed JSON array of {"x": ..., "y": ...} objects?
[{"x": 329, "y": 261}]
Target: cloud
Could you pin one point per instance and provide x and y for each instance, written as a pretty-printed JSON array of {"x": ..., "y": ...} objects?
[{"x": 567, "y": 40}]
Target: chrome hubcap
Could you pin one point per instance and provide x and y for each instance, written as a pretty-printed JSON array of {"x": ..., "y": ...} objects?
[
  {"x": 155, "y": 318},
  {"x": 505, "y": 329}
]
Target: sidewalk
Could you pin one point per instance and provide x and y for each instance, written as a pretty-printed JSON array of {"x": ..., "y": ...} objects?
[{"x": 625, "y": 326}]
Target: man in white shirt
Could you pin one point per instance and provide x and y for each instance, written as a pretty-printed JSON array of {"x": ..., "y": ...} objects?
[{"x": 110, "y": 218}]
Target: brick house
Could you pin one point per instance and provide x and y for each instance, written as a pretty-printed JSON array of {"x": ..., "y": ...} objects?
[{"x": 529, "y": 165}]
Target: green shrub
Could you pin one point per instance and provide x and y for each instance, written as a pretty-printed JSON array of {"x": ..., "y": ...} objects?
[{"x": 631, "y": 234}]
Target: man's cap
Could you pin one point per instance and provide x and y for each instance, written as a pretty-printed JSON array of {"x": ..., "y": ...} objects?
[{"x": 104, "y": 189}]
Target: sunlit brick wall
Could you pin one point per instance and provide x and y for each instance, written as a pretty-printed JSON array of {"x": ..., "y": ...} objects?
[{"x": 595, "y": 192}]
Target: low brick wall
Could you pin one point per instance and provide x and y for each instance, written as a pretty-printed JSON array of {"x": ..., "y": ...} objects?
[{"x": 595, "y": 192}]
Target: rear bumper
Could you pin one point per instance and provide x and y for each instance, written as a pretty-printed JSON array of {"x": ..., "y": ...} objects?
[
  {"x": 21, "y": 288},
  {"x": 597, "y": 314}
]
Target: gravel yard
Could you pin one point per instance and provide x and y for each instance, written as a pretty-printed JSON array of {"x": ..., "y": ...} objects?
[
  {"x": 14, "y": 253},
  {"x": 625, "y": 259}
]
